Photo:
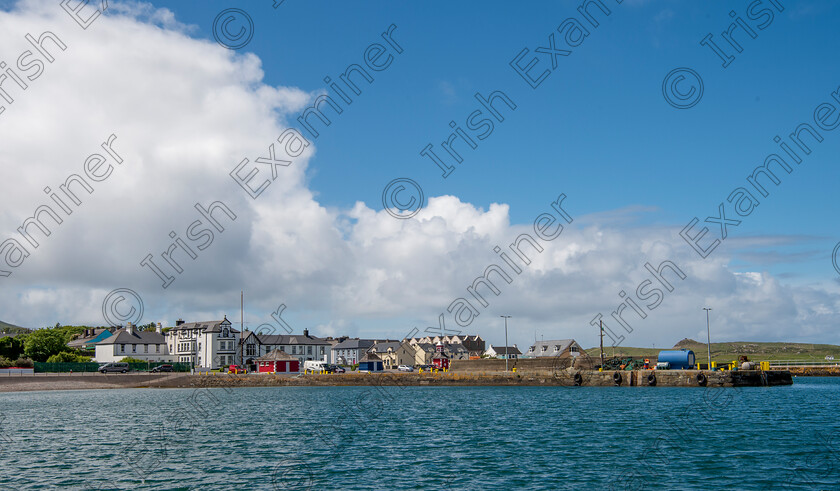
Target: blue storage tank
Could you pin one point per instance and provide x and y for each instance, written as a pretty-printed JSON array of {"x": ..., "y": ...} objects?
[{"x": 679, "y": 359}]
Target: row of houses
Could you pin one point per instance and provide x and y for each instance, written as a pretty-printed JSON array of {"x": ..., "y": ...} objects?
[{"x": 213, "y": 344}]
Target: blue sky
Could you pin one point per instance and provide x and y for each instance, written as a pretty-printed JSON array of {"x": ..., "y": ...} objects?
[
  {"x": 598, "y": 128},
  {"x": 635, "y": 170}
]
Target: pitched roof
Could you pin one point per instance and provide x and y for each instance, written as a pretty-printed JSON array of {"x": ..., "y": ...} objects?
[
  {"x": 507, "y": 350},
  {"x": 289, "y": 339},
  {"x": 382, "y": 347},
  {"x": 355, "y": 343},
  {"x": 81, "y": 341},
  {"x": 277, "y": 355},
  {"x": 550, "y": 344},
  {"x": 138, "y": 337},
  {"x": 370, "y": 357},
  {"x": 206, "y": 326}
]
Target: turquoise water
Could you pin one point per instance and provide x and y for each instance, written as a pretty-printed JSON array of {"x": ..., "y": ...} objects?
[{"x": 424, "y": 438}]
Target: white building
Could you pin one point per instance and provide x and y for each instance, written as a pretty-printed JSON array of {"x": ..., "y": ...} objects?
[
  {"x": 209, "y": 344},
  {"x": 303, "y": 347},
  {"x": 503, "y": 352},
  {"x": 142, "y": 345},
  {"x": 554, "y": 347}
]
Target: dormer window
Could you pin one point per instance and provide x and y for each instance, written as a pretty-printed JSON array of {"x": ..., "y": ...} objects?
[
  {"x": 544, "y": 349},
  {"x": 556, "y": 348},
  {"x": 225, "y": 333}
]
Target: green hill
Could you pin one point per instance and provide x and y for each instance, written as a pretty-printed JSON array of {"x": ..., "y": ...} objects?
[
  {"x": 726, "y": 352},
  {"x": 7, "y": 328}
]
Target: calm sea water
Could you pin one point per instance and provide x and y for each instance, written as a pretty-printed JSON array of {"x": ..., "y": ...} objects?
[{"x": 424, "y": 438}]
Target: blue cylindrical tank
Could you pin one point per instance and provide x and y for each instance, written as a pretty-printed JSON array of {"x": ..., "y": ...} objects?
[{"x": 679, "y": 359}]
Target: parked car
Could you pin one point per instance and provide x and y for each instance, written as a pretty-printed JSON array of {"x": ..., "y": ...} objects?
[
  {"x": 336, "y": 369},
  {"x": 114, "y": 367},
  {"x": 426, "y": 367},
  {"x": 162, "y": 368},
  {"x": 405, "y": 368},
  {"x": 236, "y": 369}
]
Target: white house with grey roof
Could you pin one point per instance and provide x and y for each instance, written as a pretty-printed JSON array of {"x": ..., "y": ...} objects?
[
  {"x": 303, "y": 347},
  {"x": 129, "y": 341},
  {"x": 207, "y": 344},
  {"x": 554, "y": 347}
]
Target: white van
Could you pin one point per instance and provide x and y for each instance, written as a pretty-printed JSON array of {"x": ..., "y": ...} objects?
[{"x": 314, "y": 366}]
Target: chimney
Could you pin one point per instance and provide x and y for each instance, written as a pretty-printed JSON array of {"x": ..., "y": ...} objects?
[
  {"x": 129, "y": 328},
  {"x": 159, "y": 328},
  {"x": 179, "y": 322},
  {"x": 306, "y": 333}
]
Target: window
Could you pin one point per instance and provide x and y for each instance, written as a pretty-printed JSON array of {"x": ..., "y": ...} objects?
[
  {"x": 225, "y": 333},
  {"x": 556, "y": 348},
  {"x": 322, "y": 350},
  {"x": 157, "y": 348},
  {"x": 574, "y": 349},
  {"x": 122, "y": 348},
  {"x": 145, "y": 348},
  {"x": 531, "y": 349},
  {"x": 250, "y": 350},
  {"x": 544, "y": 348},
  {"x": 309, "y": 350},
  {"x": 134, "y": 348},
  {"x": 282, "y": 348},
  {"x": 294, "y": 350}
]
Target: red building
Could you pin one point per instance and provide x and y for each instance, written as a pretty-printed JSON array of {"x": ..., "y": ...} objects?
[
  {"x": 278, "y": 362},
  {"x": 441, "y": 361}
]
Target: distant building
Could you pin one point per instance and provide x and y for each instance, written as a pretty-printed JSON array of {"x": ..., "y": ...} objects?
[
  {"x": 131, "y": 342},
  {"x": 473, "y": 343},
  {"x": 350, "y": 351},
  {"x": 87, "y": 341},
  {"x": 278, "y": 362},
  {"x": 440, "y": 360},
  {"x": 554, "y": 347},
  {"x": 303, "y": 347},
  {"x": 208, "y": 344},
  {"x": 395, "y": 353},
  {"x": 503, "y": 352},
  {"x": 371, "y": 363}
]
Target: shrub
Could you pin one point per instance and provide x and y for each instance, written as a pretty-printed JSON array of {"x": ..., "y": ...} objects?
[
  {"x": 67, "y": 357},
  {"x": 128, "y": 359},
  {"x": 5, "y": 362},
  {"x": 24, "y": 363}
]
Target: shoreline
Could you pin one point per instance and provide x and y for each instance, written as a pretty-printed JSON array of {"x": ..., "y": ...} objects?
[{"x": 562, "y": 378}]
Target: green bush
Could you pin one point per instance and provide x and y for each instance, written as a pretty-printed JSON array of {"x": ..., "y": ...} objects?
[
  {"x": 128, "y": 359},
  {"x": 5, "y": 362},
  {"x": 24, "y": 363},
  {"x": 67, "y": 357}
]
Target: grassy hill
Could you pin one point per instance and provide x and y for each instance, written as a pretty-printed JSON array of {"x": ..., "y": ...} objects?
[
  {"x": 5, "y": 327},
  {"x": 726, "y": 352}
]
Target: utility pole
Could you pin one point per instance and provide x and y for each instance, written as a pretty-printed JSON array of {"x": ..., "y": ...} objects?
[
  {"x": 601, "y": 325},
  {"x": 507, "y": 350},
  {"x": 708, "y": 336},
  {"x": 241, "y": 327}
]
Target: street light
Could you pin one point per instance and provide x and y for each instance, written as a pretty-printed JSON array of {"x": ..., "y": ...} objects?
[
  {"x": 507, "y": 350},
  {"x": 708, "y": 336}
]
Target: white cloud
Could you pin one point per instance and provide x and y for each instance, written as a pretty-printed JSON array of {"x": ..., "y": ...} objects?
[{"x": 186, "y": 111}]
